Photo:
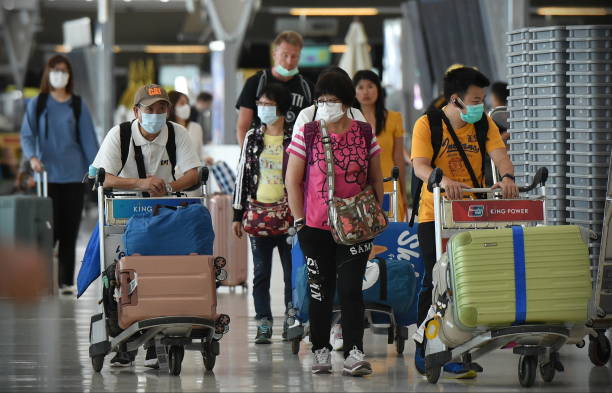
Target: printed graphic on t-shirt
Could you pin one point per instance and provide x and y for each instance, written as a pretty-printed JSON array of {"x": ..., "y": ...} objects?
[{"x": 271, "y": 164}]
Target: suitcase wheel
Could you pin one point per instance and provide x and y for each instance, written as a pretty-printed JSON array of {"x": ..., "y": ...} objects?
[
  {"x": 220, "y": 262},
  {"x": 209, "y": 356},
  {"x": 399, "y": 344},
  {"x": 222, "y": 324}
]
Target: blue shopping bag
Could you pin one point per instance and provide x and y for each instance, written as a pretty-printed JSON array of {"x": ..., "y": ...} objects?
[
  {"x": 90, "y": 266},
  {"x": 299, "y": 282}
]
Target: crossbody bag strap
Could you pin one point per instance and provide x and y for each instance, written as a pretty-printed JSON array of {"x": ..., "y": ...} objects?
[
  {"x": 466, "y": 162},
  {"x": 329, "y": 159}
]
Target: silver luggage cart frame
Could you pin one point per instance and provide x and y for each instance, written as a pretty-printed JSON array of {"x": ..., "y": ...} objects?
[
  {"x": 171, "y": 335},
  {"x": 537, "y": 345}
]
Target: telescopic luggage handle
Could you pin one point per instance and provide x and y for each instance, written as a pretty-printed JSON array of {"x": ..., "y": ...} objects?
[
  {"x": 539, "y": 179},
  {"x": 41, "y": 184}
]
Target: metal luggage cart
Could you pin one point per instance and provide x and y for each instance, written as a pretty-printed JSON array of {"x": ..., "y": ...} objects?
[
  {"x": 396, "y": 333},
  {"x": 171, "y": 335},
  {"x": 537, "y": 345}
]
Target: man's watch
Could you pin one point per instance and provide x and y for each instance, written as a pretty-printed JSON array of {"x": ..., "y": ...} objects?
[
  {"x": 509, "y": 176},
  {"x": 169, "y": 189}
]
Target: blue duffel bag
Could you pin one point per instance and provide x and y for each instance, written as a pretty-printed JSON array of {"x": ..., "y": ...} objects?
[
  {"x": 171, "y": 231},
  {"x": 393, "y": 283}
]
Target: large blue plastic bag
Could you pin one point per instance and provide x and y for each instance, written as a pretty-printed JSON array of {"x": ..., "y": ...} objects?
[
  {"x": 90, "y": 267},
  {"x": 182, "y": 231}
]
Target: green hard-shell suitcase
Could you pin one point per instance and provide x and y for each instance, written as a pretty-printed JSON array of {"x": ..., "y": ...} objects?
[{"x": 493, "y": 285}]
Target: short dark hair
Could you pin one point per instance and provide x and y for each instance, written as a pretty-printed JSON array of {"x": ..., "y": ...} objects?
[
  {"x": 500, "y": 90},
  {"x": 333, "y": 69},
  {"x": 204, "y": 96},
  {"x": 279, "y": 94},
  {"x": 459, "y": 80},
  {"x": 337, "y": 84}
]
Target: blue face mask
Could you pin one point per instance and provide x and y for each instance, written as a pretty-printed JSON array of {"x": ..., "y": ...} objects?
[
  {"x": 267, "y": 114},
  {"x": 285, "y": 72},
  {"x": 153, "y": 122},
  {"x": 474, "y": 113}
]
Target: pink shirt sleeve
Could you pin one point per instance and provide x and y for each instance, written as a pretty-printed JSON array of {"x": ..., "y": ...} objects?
[
  {"x": 374, "y": 147},
  {"x": 297, "y": 147}
]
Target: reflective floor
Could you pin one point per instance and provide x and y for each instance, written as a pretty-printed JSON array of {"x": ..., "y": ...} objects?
[{"x": 44, "y": 347}]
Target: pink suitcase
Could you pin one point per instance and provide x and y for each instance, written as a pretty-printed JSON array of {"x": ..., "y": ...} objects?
[
  {"x": 164, "y": 286},
  {"x": 226, "y": 244}
]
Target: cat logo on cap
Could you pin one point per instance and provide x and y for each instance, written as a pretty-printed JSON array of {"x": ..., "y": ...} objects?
[{"x": 154, "y": 91}]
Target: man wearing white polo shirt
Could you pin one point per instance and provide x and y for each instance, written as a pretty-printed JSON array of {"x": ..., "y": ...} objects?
[{"x": 142, "y": 155}]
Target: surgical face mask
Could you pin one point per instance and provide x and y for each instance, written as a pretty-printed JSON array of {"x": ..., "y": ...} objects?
[
  {"x": 58, "y": 79},
  {"x": 474, "y": 112},
  {"x": 267, "y": 114},
  {"x": 182, "y": 112},
  {"x": 331, "y": 112},
  {"x": 153, "y": 122},
  {"x": 285, "y": 72}
]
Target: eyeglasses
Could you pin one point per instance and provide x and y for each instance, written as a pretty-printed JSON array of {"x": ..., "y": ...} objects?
[{"x": 321, "y": 103}]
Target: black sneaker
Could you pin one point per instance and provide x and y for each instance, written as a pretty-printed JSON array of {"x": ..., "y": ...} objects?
[
  {"x": 285, "y": 327},
  {"x": 151, "y": 358},
  {"x": 264, "y": 332},
  {"x": 122, "y": 359}
]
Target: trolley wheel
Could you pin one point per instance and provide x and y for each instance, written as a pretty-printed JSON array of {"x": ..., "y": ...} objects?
[
  {"x": 527, "y": 370},
  {"x": 399, "y": 344},
  {"x": 433, "y": 374},
  {"x": 97, "y": 362},
  {"x": 208, "y": 357},
  {"x": 547, "y": 372},
  {"x": 599, "y": 350},
  {"x": 175, "y": 359},
  {"x": 295, "y": 345}
]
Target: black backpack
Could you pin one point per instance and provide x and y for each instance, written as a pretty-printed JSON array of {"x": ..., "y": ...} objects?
[
  {"x": 125, "y": 134},
  {"x": 435, "y": 117},
  {"x": 41, "y": 104}
]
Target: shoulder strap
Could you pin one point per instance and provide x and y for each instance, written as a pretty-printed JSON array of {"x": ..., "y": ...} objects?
[
  {"x": 482, "y": 129},
  {"x": 366, "y": 132},
  {"x": 461, "y": 152},
  {"x": 309, "y": 131},
  {"x": 76, "y": 110},
  {"x": 140, "y": 165},
  {"x": 41, "y": 104},
  {"x": 263, "y": 81},
  {"x": 435, "y": 127},
  {"x": 171, "y": 147},
  {"x": 329, "y": 161},
  {"x": 125, "y": 135},
  {"x": 314, "y": 114},
  {"x": 306, "y": 89}
]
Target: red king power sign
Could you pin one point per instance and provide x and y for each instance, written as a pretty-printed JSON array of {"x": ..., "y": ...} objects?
[{"x": 498, "y": 210}]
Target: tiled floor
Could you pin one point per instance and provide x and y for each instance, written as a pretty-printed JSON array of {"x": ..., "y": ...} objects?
[{"x": 44, "y": 347}]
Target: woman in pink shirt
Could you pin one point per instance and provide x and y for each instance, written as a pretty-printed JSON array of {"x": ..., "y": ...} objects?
[{"x": 331, "y": 265}]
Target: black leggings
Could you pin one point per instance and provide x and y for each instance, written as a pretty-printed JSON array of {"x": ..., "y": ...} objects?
[
  {"x": 330, "y": 265},
  {"x": 67, "y": 208},
  {"x": 427, "y": 242}
]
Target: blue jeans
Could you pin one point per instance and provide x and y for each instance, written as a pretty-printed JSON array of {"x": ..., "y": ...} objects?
[{"x": 262, "y": 248}]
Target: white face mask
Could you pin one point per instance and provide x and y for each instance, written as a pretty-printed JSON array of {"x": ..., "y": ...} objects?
[
  {"x": 331, "y": 112},
  {"x": 182, "y": 112},
  {"x": 58, "y": 79}
]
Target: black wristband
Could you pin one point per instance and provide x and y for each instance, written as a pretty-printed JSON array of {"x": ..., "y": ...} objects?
[{"x": 509, "y": 176}]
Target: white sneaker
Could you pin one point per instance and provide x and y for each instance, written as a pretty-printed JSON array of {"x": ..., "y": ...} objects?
[
  {"x": 356, "y": 365},
  {"x": 335, "y": 338},
  {"x": 322, "y": 362}
]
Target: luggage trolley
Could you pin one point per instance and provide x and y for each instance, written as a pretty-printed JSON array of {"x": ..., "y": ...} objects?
[
  {"x": 171, "y": 334},
  {"x": 396, "y": 333},
  {"x": 537, "y": 345}
]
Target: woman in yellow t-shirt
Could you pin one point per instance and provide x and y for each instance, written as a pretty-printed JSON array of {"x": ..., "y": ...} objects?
[{"x": 387, "y": 125}]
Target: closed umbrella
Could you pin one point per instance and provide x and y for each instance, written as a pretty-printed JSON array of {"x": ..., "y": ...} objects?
[{"x": 357, "y": 55}]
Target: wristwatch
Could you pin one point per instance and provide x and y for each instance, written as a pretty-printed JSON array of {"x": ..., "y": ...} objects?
[
  {"x": 169, "y": 189},
  {"x": 509, "y": 176},
  {"x": 299, "y": 222}
]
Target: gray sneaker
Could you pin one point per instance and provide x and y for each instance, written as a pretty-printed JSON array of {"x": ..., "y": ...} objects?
[
  {"x": 322, "y": 362},
  {"x": 264, "y": 332},
  {"x": 355, "y": 364}
]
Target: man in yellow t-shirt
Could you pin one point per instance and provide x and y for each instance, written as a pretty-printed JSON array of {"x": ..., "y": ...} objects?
[{"x": 464, "y": 90}]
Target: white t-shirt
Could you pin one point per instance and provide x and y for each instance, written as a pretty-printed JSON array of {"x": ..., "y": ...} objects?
[
  {"x": 306, "y": 114},
  {"x": 194, "y": 130},
  {"x": 156, "y": 160}
]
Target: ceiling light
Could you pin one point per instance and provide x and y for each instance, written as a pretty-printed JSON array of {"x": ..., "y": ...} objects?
[
  {"x": 176, "y": 49},
  {"x": 572, "y": 11},
  {"x": 333, "y": 11},
  {"x": 337, "y": 48},
  {"x": 164, "y": 1}
]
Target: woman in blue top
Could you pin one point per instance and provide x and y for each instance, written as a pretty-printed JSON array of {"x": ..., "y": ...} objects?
[{"x": 61, "y": 140}]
